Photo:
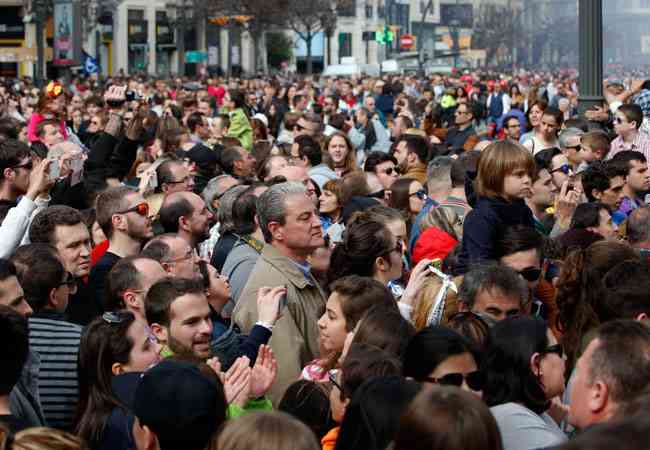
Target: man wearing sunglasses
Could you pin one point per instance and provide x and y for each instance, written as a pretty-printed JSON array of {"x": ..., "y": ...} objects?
[
  {"x": 47, "y": 287},
  {"x": 570, "y": 144},
  {"x": 123, "y": 216},
  {"x": 383, "y": 166},
  {"x": 627, "y": 123},
  {"x": 520, "y": 248}
]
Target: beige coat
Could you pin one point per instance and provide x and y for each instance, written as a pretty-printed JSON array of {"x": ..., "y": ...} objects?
[{"x": 295, "y": 336}]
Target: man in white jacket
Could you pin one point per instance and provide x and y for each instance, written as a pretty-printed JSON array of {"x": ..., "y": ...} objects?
[{"x": 33, "y": 192}]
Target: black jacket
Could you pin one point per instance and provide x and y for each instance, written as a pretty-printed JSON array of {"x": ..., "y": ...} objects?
[
  {"x": 483, "y": 226},
  {"x": 108, "y": 157}
]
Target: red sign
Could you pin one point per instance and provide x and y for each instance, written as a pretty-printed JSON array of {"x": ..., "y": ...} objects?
[{"x": 407, "y": 41}]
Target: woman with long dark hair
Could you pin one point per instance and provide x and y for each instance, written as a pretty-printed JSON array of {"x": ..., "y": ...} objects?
[
  {"x": 115, "y": 348},
  {"x": 525, "y": 371}
]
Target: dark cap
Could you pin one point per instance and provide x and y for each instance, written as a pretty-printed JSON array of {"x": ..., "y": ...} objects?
[{"x": 179, "y": 404}]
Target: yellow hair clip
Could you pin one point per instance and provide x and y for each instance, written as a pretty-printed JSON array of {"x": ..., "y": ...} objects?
[{"x": 54, "y": 89}]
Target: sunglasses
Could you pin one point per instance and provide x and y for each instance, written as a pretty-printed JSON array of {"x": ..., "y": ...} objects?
[
  {"x": 390, "y": 170},
  {"x": 421, "y": 194},
  {"x": 557, "y": 349},
  {"x": 575, "y": 147},
  {"x": 28, "y": 165},
  {"x": 564, "y": 168},
  {"x": 531, "y": 273},
  {"x": 186, "y": 180},
  {"x": 141, "y": 208},
  {"x": 475, "y": 380},
  {"x": 113, "y": 317}
]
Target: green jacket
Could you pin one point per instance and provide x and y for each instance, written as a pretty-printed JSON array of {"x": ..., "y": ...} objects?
[{"x": 240, "y": 128}]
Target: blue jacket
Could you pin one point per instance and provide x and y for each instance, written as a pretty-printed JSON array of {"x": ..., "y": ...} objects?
[{"x": 483, "y": 226}]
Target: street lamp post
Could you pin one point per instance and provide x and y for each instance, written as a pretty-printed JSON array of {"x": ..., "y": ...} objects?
[
  {"x": 40, "y": 8},
  {"x": 590, "y": 79}
]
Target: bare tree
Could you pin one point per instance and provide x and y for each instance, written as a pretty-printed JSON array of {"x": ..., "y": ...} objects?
[{"x": 498, "y": 27}]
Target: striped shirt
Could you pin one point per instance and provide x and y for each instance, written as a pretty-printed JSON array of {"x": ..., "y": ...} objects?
[
  {"x": 641, "y": 143},
  {"x": 57, "y": 343}
]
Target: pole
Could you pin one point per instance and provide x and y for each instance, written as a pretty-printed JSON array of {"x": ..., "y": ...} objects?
[
  {"x": 181, "y": 39},
  {"x": 40, "y": 51},
  {"x": 590, "y": 78}
]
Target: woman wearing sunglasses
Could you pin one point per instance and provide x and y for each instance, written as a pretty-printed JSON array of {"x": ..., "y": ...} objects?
[
  {"x": 524, "y": 373},
  {"x": 115, "y": 348},
  {"x": 439, "y": 355},
  {"x": 407, "y": 196}
]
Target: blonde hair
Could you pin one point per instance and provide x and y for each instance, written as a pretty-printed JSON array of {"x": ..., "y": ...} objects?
[
  {"x": 427, "y": 295},
  {"x": 43, "y": 438},
  {"x": 277, "y": 430},
  {"x": 497, "y": 161},
  {"x": 445, "y": 219}
]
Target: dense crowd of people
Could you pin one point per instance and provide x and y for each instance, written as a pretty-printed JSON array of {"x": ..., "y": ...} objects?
[{"x": 417, "y": 263}]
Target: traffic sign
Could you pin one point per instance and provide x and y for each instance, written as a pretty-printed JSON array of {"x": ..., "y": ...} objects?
[{"x": 407, "y": 41}]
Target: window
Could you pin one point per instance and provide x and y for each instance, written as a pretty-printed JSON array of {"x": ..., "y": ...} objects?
[
  {"x": 381, "y": 10},
  {"x": 345, "y": 44},
  {"x": 368, "y": 11},
  {"x": 161, "y": 16},
  {"x": 136, "y": 14},
  {"x": 347, "y": 8}
]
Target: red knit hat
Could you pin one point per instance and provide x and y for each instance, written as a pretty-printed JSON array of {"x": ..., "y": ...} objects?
[{"x": 433, "y": 243}]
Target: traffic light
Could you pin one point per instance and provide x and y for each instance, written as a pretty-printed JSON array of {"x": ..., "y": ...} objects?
[{"x": 384, "y": 36}]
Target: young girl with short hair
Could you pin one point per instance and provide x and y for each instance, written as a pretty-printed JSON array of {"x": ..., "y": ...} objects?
[{"x": 503, "y": 181}]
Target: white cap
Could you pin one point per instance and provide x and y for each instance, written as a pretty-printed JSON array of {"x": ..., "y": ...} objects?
[{"x": 262, "y": 118}]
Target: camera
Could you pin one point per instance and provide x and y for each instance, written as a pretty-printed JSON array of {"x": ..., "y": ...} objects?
[{"x": 131, "y": 96}]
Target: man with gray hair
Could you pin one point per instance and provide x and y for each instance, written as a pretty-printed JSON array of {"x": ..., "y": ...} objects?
[
  {"x": 638, "y": 230},
  {"x": 494, "y": 292},
  {"x": 438, "y": 189},
  {"x": 292, "y": 231},
  {"x": 212, "y": 195},
  {"x": 570, "y": 145}
]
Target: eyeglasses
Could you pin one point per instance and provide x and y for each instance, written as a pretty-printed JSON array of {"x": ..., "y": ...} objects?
[
  {"x": 574, "y": 147},
  {"x": 190, "y": 255},
  {"x": 28, "y": 166},
  {"x": 421, "y": 194},
  {"x": 187, "y": 180},
  {"x": 114, "y": 316},
  {"x": 332, "y": 377},
  {"x": 69, "y": 280},
  {"x": 390, "y": 170},
  {"x": 531, "y": 273},
  {"x": 557, "y": 349},
  {"x": 564, "y": 168},
  {"x": 475, "y": 380},
  {"x": 141, "y": 208}
]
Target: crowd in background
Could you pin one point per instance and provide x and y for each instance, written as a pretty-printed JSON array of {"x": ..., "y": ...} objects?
[{"x": 450, "y": 262}]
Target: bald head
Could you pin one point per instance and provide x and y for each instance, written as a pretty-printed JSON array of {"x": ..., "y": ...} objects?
[
  {"x": 638, "y": 227},
  {"x": 294, "y": 173}
]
